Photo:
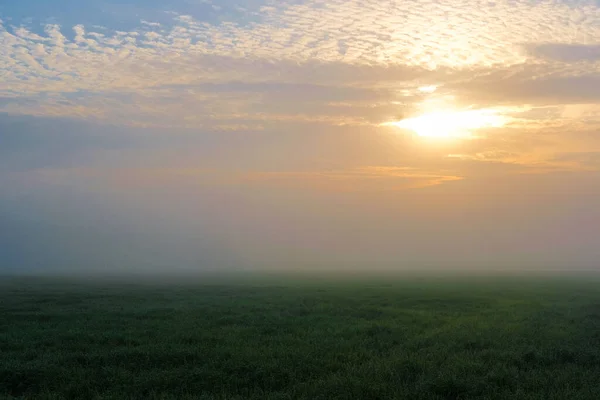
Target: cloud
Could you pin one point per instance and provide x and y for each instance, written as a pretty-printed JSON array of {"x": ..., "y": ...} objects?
[
  {"x": 532, "y": 88},
  {"x": 151, "y": 24},
  {"x": 566, "y": 52},
  {"x": 340, "y": 43},
  {"x": 361, "y": 179},
  {"x": 590, "y": 159},
  {"x": 311, "y": 67},
  {"x": 526, "y": 164},
  {"x": 369, "y": 178}
]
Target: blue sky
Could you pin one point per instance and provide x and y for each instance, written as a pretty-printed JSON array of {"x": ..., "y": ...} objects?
[
  {"x": 122, "y": 15},
  {"x": 329, "y": 134}
]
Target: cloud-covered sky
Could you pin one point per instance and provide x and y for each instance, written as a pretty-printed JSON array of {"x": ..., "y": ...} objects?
[{"x": 202, "y": 134}]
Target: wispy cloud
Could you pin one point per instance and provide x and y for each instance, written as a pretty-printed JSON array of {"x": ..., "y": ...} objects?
[
  {"x": 361, "y": 179},
  {"x": 369, "y": 178}
]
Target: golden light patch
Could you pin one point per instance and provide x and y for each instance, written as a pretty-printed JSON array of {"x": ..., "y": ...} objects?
[{"x": 451, "y": 124}]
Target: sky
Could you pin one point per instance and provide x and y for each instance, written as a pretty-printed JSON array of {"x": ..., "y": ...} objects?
[{"x": 204, "y": 135}]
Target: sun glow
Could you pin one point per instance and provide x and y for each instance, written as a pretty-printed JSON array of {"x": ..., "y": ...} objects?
[{"x": 451, "y": 124}]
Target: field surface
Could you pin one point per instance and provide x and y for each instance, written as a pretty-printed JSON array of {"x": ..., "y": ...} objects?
[{"x": 417, "y": 338}]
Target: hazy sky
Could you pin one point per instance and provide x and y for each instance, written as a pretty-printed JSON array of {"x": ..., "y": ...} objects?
[{"x": 140, "y": 135}]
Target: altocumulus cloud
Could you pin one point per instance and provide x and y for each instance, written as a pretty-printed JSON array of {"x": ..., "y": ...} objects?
[
  {"x": 154, "y": 70},
  {"x": 313, "y": 64}
]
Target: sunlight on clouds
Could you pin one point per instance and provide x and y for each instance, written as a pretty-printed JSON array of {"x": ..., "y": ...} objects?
[
  {"x": 451, "y": 124},
  {"x": 450, "y": 69},
  {"x": 428, "y": 89},
  {"x": 529, "y": 163}
]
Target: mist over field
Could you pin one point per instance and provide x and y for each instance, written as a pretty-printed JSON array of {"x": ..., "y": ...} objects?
[{"x": 79, "y": 197}]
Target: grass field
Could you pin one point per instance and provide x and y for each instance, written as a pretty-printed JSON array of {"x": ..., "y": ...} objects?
[{"x": 413, "y": 338}]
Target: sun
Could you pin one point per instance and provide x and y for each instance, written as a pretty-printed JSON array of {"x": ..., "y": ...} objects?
[{"x": 450, "y": 124}]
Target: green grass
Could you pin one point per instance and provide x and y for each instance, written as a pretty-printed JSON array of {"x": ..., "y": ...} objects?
[{"x": 519, "y": 338}]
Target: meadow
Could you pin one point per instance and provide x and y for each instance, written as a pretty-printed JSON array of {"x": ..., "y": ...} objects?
[{"x": 403, "y": 338}]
